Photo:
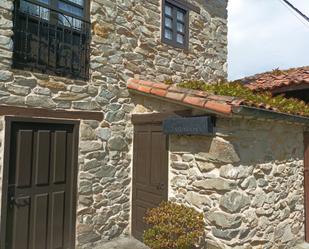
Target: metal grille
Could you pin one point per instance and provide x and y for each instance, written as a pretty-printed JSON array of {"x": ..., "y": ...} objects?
[{"x": 48, "y": 41}]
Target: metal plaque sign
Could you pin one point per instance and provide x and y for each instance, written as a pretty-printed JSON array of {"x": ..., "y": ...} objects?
[{"x": 189, "y": 126}]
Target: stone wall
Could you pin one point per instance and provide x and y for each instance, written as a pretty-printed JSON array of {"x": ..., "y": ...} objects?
[
  {"x": 125, "y": 43},
  {"x": 104, "y": 182},
  {"x": 129, "y": 33},
  {"x": 247, "y": 179}
]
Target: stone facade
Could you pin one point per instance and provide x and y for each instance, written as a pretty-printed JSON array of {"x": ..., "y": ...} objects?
[
  {"x": 125, "y": 43},
  {"x": 247, "y": 180},
  {"x": 249, "y": 188},
  {"x": 104, "y": 182}
]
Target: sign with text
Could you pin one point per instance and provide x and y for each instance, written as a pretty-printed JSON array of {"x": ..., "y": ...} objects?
[{"x": 189, "y": 126}]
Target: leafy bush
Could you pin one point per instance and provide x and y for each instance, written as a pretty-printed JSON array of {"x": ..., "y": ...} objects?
[
  {"x": 236, "y": 89},
  {"x": 173, "y": 226}
]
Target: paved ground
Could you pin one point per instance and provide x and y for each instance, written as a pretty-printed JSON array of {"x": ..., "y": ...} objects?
[{"x": 124, "y": 243}]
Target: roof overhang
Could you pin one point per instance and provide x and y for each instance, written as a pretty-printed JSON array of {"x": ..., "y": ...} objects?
[
  {"x": 303, "y": 86},
  {"x": 211, "y": 104}
]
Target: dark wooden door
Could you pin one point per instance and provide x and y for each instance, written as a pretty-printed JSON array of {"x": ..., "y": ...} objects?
[
  {"x": 150, "y": 173},
  {"x": 306, "y": 176},
  {"x": 41, "y": 186}
]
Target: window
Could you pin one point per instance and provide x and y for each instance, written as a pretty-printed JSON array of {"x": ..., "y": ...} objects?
[
  {"x": 175, "y": 28},
  {"x": 52, "y": 36}
]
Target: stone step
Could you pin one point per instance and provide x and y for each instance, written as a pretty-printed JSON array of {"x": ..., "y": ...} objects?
[{"x": 123, "y": 243}]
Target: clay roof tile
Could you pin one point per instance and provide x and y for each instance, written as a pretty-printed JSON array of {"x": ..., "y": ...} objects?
[
  {"x": 277, "y": 79},
  {"x": 200, "y": 99}
]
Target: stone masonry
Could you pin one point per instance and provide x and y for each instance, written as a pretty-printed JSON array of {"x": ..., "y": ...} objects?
[
  {"x": 125, "y": 43},
  {"x": 247, "y": 180}
]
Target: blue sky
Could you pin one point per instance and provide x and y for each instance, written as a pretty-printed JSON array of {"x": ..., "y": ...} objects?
[{"x": 264, "y": 35}]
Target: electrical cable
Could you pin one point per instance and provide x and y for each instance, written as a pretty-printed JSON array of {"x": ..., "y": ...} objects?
[
  {"x": 297, "y": 10},
  {"x": 283, "y": 2}
]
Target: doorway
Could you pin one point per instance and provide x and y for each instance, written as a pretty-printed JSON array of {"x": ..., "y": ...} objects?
[
  {"x": 150, "y": 172},
  {"x": 40, "y": 178},
  {"x": 306, "y": 176}
]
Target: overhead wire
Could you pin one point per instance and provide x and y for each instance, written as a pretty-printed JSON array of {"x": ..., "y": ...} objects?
[
  {"x": 284, "y": 3},
  {"x": 296, "y": 9}
]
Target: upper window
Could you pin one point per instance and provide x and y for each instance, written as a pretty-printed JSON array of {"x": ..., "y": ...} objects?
[
  {"x": 175, "y": 26},
  {"x": 52, "y": 36}
]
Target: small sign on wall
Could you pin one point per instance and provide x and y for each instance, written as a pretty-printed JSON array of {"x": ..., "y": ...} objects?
[{"x": 189, "y": 126}]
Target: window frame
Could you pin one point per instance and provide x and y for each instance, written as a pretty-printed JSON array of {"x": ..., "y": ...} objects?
[
  {"x": 175, "y": 7},
  {"x": 84, "y": 32},
  {"x": 54, "y": 7},
  {"x": 185, "y": 6}
]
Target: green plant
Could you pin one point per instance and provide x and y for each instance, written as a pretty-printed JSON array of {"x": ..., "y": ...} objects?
[
  {"x": 169, "y": 81},
  {"x": 237, "y": 89},
  {"x": 276, "y": 71},
  {"x": 173, "y": 226}
]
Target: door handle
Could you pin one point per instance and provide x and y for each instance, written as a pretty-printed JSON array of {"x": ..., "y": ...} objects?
[
  {"x": 18, "y": 203},
  {"x": 160, "y": 186}
]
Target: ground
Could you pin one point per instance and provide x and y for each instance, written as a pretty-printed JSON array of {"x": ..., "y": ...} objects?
[{"x": 123, "y": 243}]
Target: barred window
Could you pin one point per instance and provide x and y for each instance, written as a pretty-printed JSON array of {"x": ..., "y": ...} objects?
[{"x": 52, "y": 36}]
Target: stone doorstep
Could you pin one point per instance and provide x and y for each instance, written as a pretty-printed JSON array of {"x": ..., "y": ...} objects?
[
  {"x": 123, "y": 243},
  {"x": 302, "y": 246}
]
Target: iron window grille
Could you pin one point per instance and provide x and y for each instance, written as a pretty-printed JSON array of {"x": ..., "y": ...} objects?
[
  {"x": 175, "y": 24},
  {"x": 52, "y": 37}
]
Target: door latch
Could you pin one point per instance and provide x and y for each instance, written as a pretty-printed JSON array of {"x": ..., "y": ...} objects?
[
  {"x": 13, "y": 201},
  {"x": 160, "y": 186}
]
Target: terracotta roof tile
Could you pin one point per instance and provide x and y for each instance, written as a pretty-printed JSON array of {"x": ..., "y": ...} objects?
[
  {"x": 175, "y": 95},
  {"x": 158, "y": 92},
  {"x": 218, "y": 107},
  {"x": 276, "y": 80},
  {"x": 132, "y": 85},
  {"x": 161, "y": 86},
  {"x": 221, "y": 98},
  {"x": 178, "y": 90},
  {"x": 201, "y": 94},
  {"x": 237, "y": 102},
  {"x": 199, "y": 99},
  {"x": 132, "y": 80},
  {"x": 193, "y": 100},
  {"x": 146, "y": 83},
  {"x": 145, "y": 89}
]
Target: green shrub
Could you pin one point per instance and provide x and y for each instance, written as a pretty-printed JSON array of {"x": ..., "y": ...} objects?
[
  {"x": 236, "y": 89},
  {"x": 173, "y": 226}
]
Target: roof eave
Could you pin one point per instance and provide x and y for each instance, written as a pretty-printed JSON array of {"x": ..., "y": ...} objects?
[
  {"x": 236, "y": 110},
  {"x": 291, "y": 88},
  {"x": 268, "y": 114},
  {"x": 210, "y": 111}
]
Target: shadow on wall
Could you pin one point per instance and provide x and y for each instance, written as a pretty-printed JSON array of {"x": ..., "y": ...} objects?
[
  {"x": 241, "y": 147},
  {"x": 216, "y": 8}
]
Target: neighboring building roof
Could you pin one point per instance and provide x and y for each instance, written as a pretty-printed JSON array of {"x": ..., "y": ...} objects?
[
  {"x": 279, "y": 80},
  {"x": 224, "y": 105}
]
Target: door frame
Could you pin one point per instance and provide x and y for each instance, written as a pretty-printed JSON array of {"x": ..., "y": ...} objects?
[
  {"x": 150, "y": 119},
  {"x": 8, "y": 120}
]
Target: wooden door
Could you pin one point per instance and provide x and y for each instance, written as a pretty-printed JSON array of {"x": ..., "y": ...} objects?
[
  {"x": 41, "y": 186},
  {"x": 150, "y": 173},
  {"x": 306, "y": 176}
]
